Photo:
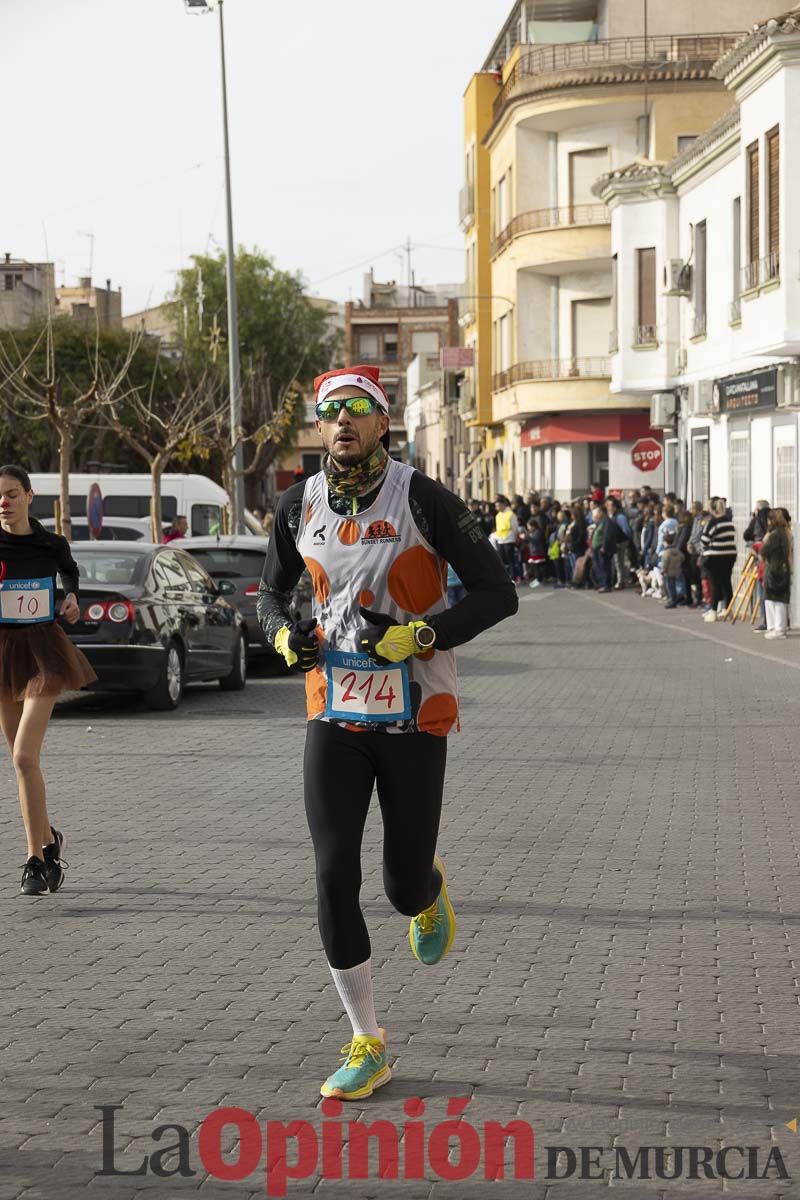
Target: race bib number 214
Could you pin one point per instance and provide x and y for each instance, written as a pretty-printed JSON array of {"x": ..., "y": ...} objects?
[{"x": 361, "y": 691}]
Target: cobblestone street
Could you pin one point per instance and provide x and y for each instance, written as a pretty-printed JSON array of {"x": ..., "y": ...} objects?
[{"x": 621, "y": 835}]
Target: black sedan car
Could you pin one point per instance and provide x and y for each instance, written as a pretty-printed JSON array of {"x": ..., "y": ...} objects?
[
  {"x": 238, "y": 560},
  {"x": 152, "y": 620}
]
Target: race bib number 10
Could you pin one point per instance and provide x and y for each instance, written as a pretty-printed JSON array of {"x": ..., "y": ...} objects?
[
  {"x": 26, "y": 601},
  {"x": 359, "y": 690}
]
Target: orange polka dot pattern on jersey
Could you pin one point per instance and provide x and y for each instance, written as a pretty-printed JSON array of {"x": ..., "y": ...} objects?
[{"x": 379, "y": 561}]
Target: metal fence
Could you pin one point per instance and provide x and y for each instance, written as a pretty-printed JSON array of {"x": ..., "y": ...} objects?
[
  {"x": 551, "y": 218},
  {"x": 552, "y": 369},
  {"x": 665, "y": 55}
]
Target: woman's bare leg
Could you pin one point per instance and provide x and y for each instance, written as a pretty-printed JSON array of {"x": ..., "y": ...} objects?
[{"x": 27, "y": 746}]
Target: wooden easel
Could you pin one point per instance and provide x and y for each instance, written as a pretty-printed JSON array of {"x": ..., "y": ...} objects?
[{"x": 743, "y": 603}]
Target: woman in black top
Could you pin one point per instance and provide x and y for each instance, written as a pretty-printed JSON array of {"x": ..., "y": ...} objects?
[{"x": 37, "y": 662}]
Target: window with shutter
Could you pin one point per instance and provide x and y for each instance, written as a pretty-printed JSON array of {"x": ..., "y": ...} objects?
[
  {"x": 773, "y": 192},
  {"x": 752, "y": 203},
  {"x": 646, "y": 298}
]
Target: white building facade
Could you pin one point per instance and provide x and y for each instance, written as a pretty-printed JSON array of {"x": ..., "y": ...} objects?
[{"x": 706, "y": 305}]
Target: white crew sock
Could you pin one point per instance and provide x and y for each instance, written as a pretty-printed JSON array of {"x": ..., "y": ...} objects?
[{"x": 354, "y": 985}]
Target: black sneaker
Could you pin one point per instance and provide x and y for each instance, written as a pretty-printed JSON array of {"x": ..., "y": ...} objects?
[
  {"x": 53, "y": 862},
  {"x": 34, "y": 878}
]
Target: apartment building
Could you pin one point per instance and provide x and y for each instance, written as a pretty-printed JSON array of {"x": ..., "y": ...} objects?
[
  {"x": 389, "y": 327},
  {"x": 570, "y": 90},
  {"x": 707, "y": 305},
  {"x": 89, "y": 304},
  {"x": 27, "y": 292}
]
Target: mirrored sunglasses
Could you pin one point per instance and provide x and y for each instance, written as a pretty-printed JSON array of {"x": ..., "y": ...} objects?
[{"x": 357, "y": 406}]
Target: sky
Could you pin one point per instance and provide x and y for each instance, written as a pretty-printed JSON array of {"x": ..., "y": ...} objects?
[{"x": 345, "y": 126}]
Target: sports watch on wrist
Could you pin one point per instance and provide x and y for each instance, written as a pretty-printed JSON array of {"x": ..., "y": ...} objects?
[{"x": 425, "y": 637}]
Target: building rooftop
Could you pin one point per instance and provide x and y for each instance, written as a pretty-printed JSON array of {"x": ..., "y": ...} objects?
[
  {"x": 788, "y": 22},
  {"x": 650, "y": 175},
  {"x": 524, "y": 11}
]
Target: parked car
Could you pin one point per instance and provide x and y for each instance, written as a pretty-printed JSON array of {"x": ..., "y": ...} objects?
[
  {"x": 125, "y": 529},
  {"x": 152, "y": 620},
  {"x": 239, "y": 560}
]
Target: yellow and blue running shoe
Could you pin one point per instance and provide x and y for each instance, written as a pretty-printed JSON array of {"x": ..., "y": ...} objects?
[
  {"x": 365, "y": 1069},
  {"x": 431, "y": 932}
]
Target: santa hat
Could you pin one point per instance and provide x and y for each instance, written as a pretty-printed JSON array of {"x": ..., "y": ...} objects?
[{"x": 367, "y": 378}]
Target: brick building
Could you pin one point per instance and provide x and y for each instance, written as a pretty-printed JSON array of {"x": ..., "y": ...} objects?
[{"x": 389, "y": 327}]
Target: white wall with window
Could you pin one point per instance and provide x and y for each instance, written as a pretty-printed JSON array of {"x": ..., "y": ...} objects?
[
  {"x": 724, "y": 206},
  {"x": 584, "y": 306}
]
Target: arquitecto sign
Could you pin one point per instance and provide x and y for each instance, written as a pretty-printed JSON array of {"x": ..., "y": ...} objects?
[{"x": 742, "y": 393}]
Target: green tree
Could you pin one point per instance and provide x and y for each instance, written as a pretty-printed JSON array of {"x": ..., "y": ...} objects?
[{"x": 284, "y": 341}]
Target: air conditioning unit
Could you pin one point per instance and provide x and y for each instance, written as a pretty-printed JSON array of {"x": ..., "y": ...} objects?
[
  {"x": 681, "y": 359},
  {"x": 663, "y": 406},
  {"x": 677, "y": 278}
]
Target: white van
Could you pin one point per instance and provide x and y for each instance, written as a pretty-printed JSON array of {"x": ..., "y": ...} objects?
[{"x": 195, "y": 497}]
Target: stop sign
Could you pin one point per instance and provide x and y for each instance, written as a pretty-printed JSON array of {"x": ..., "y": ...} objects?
[{"x": 646, "y": 454}]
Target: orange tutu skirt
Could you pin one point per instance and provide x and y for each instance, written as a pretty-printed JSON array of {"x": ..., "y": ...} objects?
[{"x": 40, "y": 660}]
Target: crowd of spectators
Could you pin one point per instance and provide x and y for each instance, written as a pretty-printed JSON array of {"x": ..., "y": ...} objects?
[{"x": 668, "y": 551}]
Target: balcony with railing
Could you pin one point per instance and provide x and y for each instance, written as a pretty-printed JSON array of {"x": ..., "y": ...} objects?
[
  {"x": 551, "y": 369},
  {"x": 645, "y": 335},
  {"x": 699, "y": 325},
  {"x": 551, "y": 218},
  {"x": 617, "y": 60},
  {"x": 760, "y": 272},
  {"x": 466, "y": 206},
  {"x": 735, "y": 311}
]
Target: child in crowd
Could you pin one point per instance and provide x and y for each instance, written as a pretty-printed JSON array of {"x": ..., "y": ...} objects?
[
  {"x": 537, "y": 556},
  {"x": 672, "y": 571}
]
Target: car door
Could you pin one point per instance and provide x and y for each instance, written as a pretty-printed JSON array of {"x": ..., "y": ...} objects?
[
  {"x": 187, "y": 610},
  {"x": 220, "y": 616}
]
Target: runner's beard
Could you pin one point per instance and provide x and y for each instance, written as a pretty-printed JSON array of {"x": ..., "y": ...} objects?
[{"x": 352, "y": 453}]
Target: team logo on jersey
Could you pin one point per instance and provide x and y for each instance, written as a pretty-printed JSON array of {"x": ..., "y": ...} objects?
[{"x": 380, "y": 531}]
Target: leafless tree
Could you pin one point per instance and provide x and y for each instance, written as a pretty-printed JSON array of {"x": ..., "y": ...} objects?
[
  {"x": 37, "y": 393},
  {"x": 164, "y": 420},
  {"x": 264, "y": 443}
]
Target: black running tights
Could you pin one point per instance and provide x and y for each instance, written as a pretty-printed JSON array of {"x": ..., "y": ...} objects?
[{"x": 340, "y": 769}]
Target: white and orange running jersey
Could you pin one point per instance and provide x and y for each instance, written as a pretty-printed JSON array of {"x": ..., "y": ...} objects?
[{"x": 379, "y": 559}]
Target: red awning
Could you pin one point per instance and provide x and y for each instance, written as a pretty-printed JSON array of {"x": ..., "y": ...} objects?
[{"x": 592, "y": 427}]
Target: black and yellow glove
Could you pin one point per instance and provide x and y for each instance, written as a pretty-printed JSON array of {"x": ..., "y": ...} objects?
[
  {"x": 385, "y": 641},
  {"x": 299, "y": 644}
]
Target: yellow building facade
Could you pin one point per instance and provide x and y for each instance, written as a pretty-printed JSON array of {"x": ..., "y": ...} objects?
[{"x": 543, "y": 120}]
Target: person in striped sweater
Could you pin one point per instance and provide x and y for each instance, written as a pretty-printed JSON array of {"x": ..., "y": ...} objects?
[{"x": 719, "y": 555}]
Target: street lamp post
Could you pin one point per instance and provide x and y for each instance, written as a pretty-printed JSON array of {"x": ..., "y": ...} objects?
[{"x": 234, "y": 370}]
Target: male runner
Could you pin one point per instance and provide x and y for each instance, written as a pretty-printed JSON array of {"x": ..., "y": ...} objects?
[{"x": 376, "y": 537}]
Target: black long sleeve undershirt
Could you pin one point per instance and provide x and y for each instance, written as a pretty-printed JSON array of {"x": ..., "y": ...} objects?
[
  {"x": 442, "y": 519},
  {"x": 39, "y": 554}
]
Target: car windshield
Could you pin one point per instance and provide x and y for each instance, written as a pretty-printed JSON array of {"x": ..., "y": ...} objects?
[
  {"x": 233, "y": 563},
  {"x": 117, "y": 566}
]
